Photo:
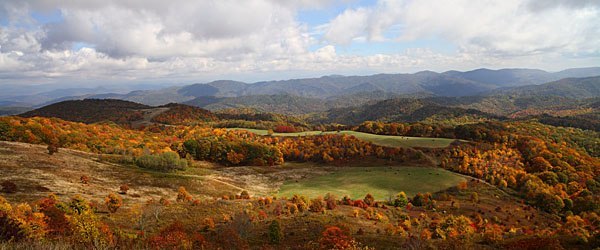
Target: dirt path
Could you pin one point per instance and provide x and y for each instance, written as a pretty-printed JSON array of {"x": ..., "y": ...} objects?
[{"x": 148, "y": 115}]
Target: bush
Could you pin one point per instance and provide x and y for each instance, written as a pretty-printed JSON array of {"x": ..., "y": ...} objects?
[
  {"x": 244, "y": 195},
  {"x": 369, "y": 200},
  {"x": 183, "y": 195},
  {"x": 275, "y": 232},
  {"x": 400, "y": 200},
  {"x": 113, "y": 202},
  {"x": 124, "y": 188},
  {"x": 421, "y": 199},
  {"x": 84, "y": 179},
  {"x": 168, "y": 162},
  {"x": 316, "y": 205},
  {"x": 284, "y": 129},
  {"x": 334, "y": 238},
  {"x": 52, "y": 148},
  {"x": 330, "y": 201}
]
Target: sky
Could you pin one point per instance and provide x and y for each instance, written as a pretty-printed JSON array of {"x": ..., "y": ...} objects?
[{"x": 96, "y": 42}]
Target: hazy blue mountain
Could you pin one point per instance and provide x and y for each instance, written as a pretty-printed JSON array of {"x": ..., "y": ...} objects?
[
  {"x": 450, "y": 84},
  {"x": 576, "y": 88}
]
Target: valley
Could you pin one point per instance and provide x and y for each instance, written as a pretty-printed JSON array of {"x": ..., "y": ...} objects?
[{"x": 505, "y": 171}]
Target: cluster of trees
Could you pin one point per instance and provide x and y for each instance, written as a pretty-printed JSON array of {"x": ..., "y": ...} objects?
[
  {"x": 266, "y": 125},
  {"x": 96, "y": 138},
  {"x": 238, "y": 147},
  {"x": 544, "y": 168},
  {"x": 167, "y": 162},
  {"x": 179, "y": 114},
  {"x": 330, "y": 148},
  {"x": 249, "y": 118},
  {"x": 73, "y": 222},
  {"x": 589, "y": 121},
  {"x": 284, "y": 129},
  {"x": 232, "y": 151},
  {"x": 405, "y": 129}
]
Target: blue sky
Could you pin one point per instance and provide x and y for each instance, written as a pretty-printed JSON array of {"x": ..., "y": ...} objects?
[{"x": 95, "y": 42}]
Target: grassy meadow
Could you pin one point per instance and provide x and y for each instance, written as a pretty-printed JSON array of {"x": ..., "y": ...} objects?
[
  {"x": 382, "y": 140},
  {"x": 381, "y": 182}
]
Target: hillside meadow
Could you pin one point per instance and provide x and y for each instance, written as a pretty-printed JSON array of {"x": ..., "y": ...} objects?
[{"x": 381, "y": 140}]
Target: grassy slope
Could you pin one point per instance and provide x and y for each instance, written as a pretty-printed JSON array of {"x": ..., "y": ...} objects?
[
  {"x": 37, "y": 174},
  {"x": 379, "y": 181},
  {"x": 383, "y": 140}
]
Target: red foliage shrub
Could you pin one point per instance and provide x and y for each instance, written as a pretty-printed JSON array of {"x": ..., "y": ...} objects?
[
  {"x": 173, "y": 236},
  {"x": 369, "y": 200},
  {"x": 284, "y": 129},
  {"x": 334, "y": 238},
  {"x": 360, "y": 203},
  {"x": 57, "y": 222},
  {"x": 84, "y": 179},
  {"x": 124, "y": 188},
  {"x": 347, "y": 201}
]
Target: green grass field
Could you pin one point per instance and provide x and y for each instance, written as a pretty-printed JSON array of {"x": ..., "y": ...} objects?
[
  {"x": 382, "y": 140},
  {"x": 381, "y": 182}
]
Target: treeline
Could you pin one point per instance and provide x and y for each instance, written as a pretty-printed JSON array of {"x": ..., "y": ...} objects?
[
  {"x": 249, "y": 118},
  {"x": 245, "y": 148},
  {"x": 585, "y": 121},
  {"x": 265, "y": 125},
  {"x": 232, "y": 151}
]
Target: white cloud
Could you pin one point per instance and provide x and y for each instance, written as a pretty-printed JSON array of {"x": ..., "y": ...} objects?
[
  {"x": 180, "y": 40},
  {"x": 495, "y": 28}
]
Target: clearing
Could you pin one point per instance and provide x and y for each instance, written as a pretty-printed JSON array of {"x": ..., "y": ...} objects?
[
  {"x": 381, "y": 182},
  {"x": 382, "y": 140}
]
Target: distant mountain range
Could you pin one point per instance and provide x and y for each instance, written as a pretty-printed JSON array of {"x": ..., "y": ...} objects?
[{"x": 221, "y": 94}]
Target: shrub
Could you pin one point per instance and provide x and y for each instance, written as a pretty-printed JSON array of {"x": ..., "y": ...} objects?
[
  {"x": 302, "y": 207},
  {"x": 347, "y": 201},
  {"x": 173, "y": 236},
  {"x": 475, "y": 197},
  {"x": 168, "y": 162},
  {"x": 360, "y": 203},
  {"x": 52, "y": 148},
  {"x": 183, "y": 195},
  {"x": 369, "y": 200},
  {"x": 334, "y": 238},
  {"x": 275, "y": 232},
  {"x": 113, "y": 202},
  {"x": 245, "y": 195},
  {"x": 84, "y": 179},
  {"x": 291, "y": 208},
  {"x": 285, "y": 129},
  {"x": 421, "y": 199},
  {"x": 316, "y": 205},
  {"x": 330, "y": 201},
  {"x": 78, "y": 205},
  {"x": 400, "y": 200},
  {"x": 124, "y": 188}
]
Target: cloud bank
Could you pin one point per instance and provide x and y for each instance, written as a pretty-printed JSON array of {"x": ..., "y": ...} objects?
[{"x": 187, "y": 41}]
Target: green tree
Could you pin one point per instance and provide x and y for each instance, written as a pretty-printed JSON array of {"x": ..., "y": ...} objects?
[{"x": 275, "y": 232}]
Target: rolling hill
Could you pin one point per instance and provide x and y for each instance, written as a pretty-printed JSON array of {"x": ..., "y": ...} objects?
[
  {"x": 122, "y": 112},
  {"x": 397, "y": 110},
  {"x": 576, "y": 88}
]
